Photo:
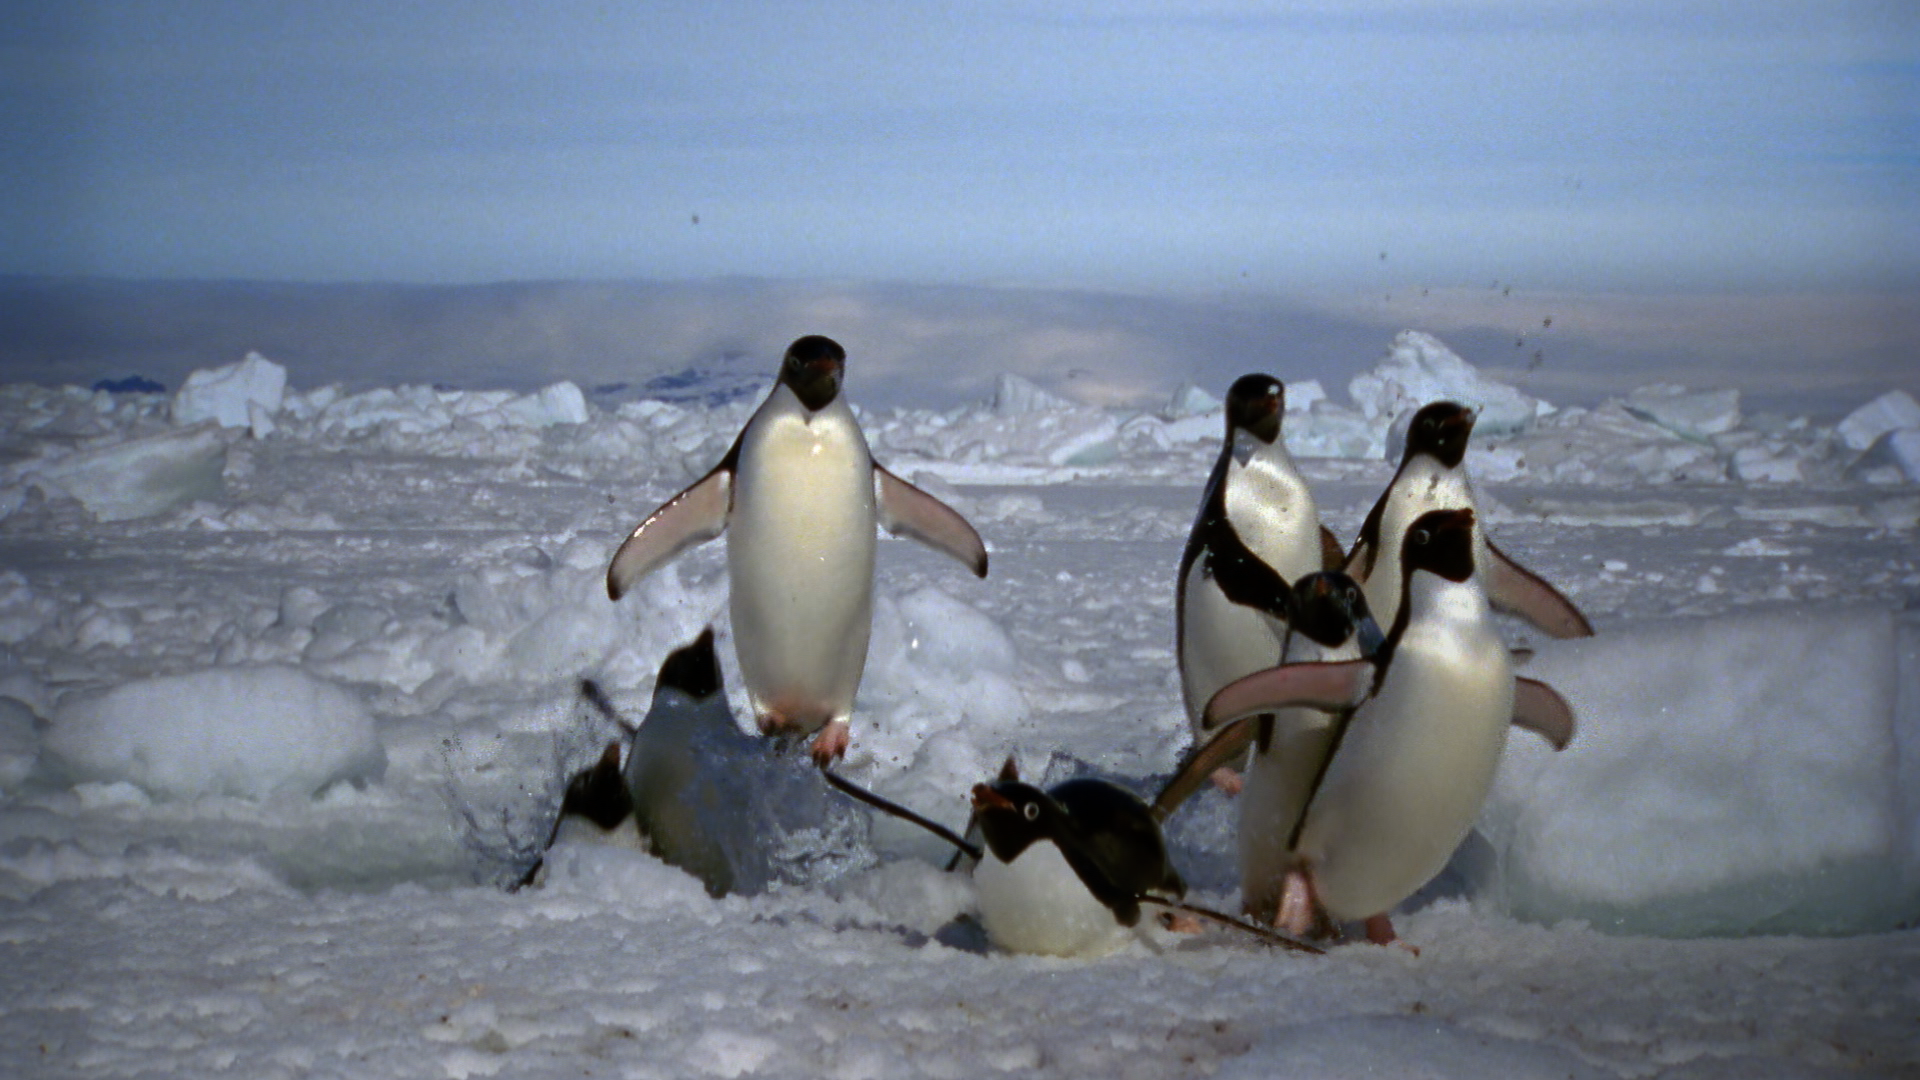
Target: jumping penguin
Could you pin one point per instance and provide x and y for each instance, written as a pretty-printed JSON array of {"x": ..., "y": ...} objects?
[
  {"x": 1433, "y": 476},
  {"x": 1418, "y": 731},
  {"x": 800, "y": 493},
  {"x": 1064, "y": 869},
  {"x": 1257, "y": 531}
]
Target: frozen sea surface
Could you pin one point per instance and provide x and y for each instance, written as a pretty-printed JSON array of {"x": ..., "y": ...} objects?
[{"x": 1717, "y": 879}]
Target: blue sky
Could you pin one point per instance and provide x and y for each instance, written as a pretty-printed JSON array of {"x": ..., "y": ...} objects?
[{"x": 1640, "y": 147}]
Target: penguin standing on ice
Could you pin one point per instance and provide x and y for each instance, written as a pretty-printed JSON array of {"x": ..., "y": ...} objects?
[
  {"x": 1418, "y": 732},
  {"x": 800, "y": 494},
  {"x": 1064, "y": 869},
  {"x": 1257, "y": 531},
  {"x": 1433, "y": 476}
]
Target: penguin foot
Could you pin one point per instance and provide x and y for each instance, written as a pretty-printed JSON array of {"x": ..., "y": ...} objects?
[
  {"x": 1380, "y": 932},
  {"x": 1180, "y": 922},
  {"x": 1228, "y": 780},
  {"x": 1296, "y": 914},
  {"x": 831, "y": 744}
]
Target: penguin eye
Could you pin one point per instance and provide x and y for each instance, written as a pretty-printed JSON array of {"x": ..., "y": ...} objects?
[
  {"x": 1419, "y": 537},
  {"x": 1031, "y": 811},
  {"x": 1352, "y": 596}
]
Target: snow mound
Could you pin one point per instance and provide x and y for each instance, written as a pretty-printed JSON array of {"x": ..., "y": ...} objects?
[
  {"x": 1755, "y": 773},
  {"x": 252, "y": 732},
  {"x": 242, "y": 395},
  {"x": 1419, "y": 368},
  {"x": 1892, "y": 411},
  {"x": 1688, "y": 414},
  {"x": 139, "y": 477}
]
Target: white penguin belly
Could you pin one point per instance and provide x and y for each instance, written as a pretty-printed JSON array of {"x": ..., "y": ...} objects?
[
  {"x": 1277, "y": 785},
  {"x": 800, "y": 552},
  {"x": 1423, "y": 486},
  {"x": 1411, "y": 773},
  {"x": 1221, "y": 641},
  {"x": 1272, "y": 509},
  {"x": 1037, "y": 904}
]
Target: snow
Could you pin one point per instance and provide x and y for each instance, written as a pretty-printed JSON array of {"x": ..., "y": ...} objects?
[
  {"x": 204, "y": 867},
  {"x": 241, "y": 395},
  {"x": 253, "y": 732}
]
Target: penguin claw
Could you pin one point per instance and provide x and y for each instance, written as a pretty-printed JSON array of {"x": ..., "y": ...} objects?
[
  {"x": 831, "y": 744},
  {"x": 1296, "y": 912},
  {"x": 1380, "y": 932}
]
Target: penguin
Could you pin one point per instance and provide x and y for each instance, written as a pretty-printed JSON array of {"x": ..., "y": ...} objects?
[
  {"x": 1418, "y": 731},
  {"x": 1433, "y": 476},
  {"x": 1257, "y": 530},
  {"x": 1064, "y": 870},
  {"x": 678, "y": 773},
  {"x": 596, "y": 808},
  {"x": 799, "y": 494}
]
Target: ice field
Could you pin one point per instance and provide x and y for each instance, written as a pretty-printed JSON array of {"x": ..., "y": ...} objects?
[{"x": 289, "y": 685}]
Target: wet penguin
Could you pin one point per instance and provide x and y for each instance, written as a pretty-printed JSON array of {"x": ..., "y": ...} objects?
[
  {"x": 1064, "y": 869},
  {"x": 1418, "y": 732},
  {"x": 799, "y": 495},
  {"x": 1257, "y": 530},
  {"x": 595, "y": 809},
  {"x": 1433, "y": 476}
]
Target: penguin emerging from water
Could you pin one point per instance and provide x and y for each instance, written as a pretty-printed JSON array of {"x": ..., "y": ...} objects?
[
  {"x": 1418, "y": 732},
  {"x": 799, "y": 495},
  {"x": 1064, "y": 870},
  {"x": 1257, "y": 531},
  {"x": 1433, "y": 476}
]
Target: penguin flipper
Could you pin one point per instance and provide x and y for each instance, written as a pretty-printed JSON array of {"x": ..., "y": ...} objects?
[
  {"x": 695, "y": 515},
  {"x": 1329, "y": 685},
  {"x": 1519, "y": 591},
  {"x": 1226, "y": 746},
  {"x": 1540, "y": 709},
  {"x": 905, "y": 510}
]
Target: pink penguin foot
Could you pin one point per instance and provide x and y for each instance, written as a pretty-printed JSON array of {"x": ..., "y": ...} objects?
[
  {"x": 831, "y": 744},
  {"x": 1380, "y": 932},
  {"x": 1228, "y": 780},
  {"x": 1296, "y": 914}
]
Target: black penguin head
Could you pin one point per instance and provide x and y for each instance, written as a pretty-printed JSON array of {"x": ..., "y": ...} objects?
[
  {"x": 1440, "y": 430},
  {"x": 599, "y": 793},
  {"x": 1254, "y": 405},
  {"x": 1329, "y": 607},
  {"x": 692, "y": 669},
  {"x": 813, "y": 369},
  {"x": 1014, "y": 815},
  {"x": 1440, "y": 542}
]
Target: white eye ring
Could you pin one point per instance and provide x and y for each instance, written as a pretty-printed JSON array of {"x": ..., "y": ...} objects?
[
  {"x": 1420, "y": 537},
  {"x": 1031, "y": 810}
]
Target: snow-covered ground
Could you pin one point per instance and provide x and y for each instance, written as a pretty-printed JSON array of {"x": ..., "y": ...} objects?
[{"x": 289, "y": 684}]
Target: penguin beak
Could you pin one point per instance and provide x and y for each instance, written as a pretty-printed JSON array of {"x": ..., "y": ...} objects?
[{"x": 985, "y": 798}]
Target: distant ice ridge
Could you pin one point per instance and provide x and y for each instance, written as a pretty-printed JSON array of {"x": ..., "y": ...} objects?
[
  {"x": 119, "y": 458},
  {"x": 1757, "y": 773}
]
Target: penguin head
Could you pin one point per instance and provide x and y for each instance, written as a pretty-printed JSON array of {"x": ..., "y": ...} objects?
[
  {"x": 1013, "y": 815},
  {"x": 599, "y": 793},
  {"x": 692, "y": 669},
  {"x": 1440, "y": 542},
  {"x": 1329, "y": 607},
  {"x": 1254, "y": 405},
  {"x": 1440, "y": 430},
  {"x": 813, "y": 368}
]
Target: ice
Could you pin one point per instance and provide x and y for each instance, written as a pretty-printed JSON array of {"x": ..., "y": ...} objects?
[
  {"x": 561, "y": 403},
  {"x": 1190, "y": 400},
  {"x": 1407, "y": 1047},
  {"x": 1893, "y": 458},
  {"x": 1688, "y": 414},
  {"x": 241, "y": 395},
  {"x": 253, "y": 732},
  {"x": 1891, "y": 411},
  {"x": 1419, "y": 369},
  {"x": 1742, "y": 774},
  {"x": 19, "y": 742},
  {"x": 138, "y": 477},
  {"x": 1013, "y": 395}
]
